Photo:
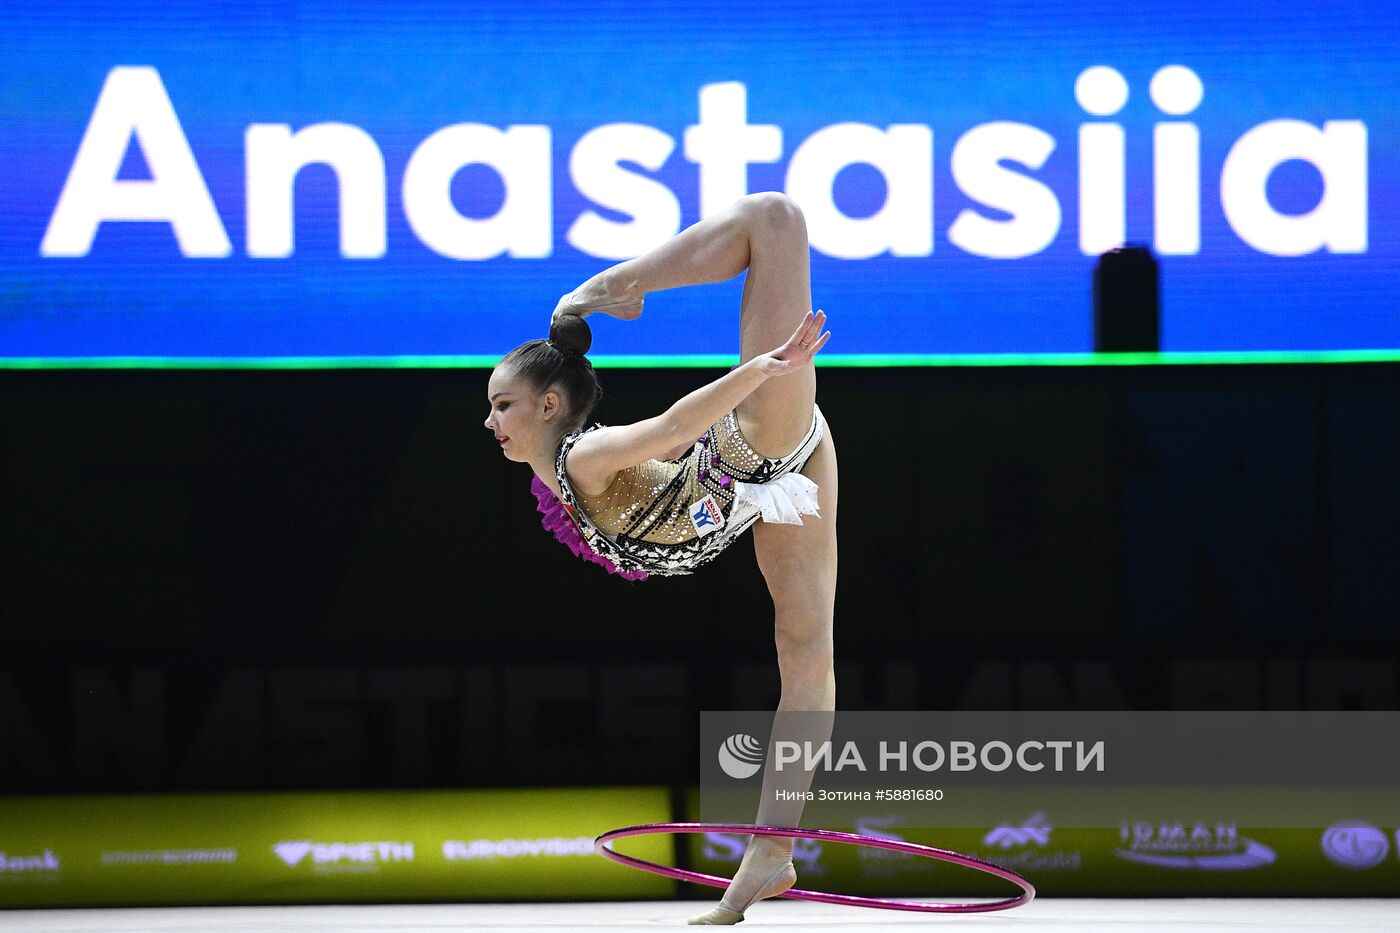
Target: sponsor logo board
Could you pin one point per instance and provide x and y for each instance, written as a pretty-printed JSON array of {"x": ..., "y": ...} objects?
[
  {"x": 1025, "y": 846},
  {"x": 1190, "y": 846},
  {"x": 329, "y": 857},
  {"x": 172, "y": 857},
  {"x": 43, "y": 866},
  {"x": 457, "y": 850},
  {"x": 729, "y": 847},
  {"x": 1355, "y": 844}
]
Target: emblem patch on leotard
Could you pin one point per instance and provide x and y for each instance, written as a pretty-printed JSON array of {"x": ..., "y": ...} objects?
[{"x": 706, "y": 516}]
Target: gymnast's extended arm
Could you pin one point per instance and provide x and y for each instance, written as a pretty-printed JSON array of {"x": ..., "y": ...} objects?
[{"x": 607, "y": 450}]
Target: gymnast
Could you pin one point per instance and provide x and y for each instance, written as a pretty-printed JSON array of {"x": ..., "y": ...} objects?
[{"x": 648, "y": 498}]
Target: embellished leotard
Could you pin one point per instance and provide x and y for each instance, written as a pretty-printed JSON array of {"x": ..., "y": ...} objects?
[{"x": 669, "y": 517}]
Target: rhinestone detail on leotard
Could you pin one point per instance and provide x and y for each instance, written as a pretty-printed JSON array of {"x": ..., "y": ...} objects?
[{"x": 642, "y": 521}]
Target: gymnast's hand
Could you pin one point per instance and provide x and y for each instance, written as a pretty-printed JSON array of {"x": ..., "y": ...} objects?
[{"x": 799, "y": 349}]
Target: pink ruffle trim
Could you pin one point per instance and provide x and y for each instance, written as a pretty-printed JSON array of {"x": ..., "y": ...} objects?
[{"x": 556, "y": 519}]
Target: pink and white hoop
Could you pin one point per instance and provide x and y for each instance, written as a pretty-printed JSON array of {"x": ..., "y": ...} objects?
[{"x": 600, "y": 845}]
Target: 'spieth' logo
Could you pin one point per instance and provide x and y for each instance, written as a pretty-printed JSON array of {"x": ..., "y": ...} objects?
[
  {"x": 740, "y": 756},
  {"x": 1354, "y": 844},
  {"x": 342, "y": 856},
  {"x": 292, "y": 852}
]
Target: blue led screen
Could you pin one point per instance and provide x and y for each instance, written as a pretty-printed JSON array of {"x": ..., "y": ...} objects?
[{"x": 403, "y": 178}]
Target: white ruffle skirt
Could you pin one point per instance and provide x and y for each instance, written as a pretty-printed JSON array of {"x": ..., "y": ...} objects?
[
  {"x": 783, "y": 500},
  {"x": 786, "y": 497}
]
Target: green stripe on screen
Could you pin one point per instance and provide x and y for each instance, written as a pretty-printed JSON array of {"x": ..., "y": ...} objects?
[{"x": 604, "y": 361}]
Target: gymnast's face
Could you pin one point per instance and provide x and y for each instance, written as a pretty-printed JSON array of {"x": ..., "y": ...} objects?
[{"x": 520, "y": 416}]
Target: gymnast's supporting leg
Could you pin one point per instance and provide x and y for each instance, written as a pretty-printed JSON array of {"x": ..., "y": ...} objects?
[
  {"x": 799, "y": 565},
  {"x": 766, "y": 234}
]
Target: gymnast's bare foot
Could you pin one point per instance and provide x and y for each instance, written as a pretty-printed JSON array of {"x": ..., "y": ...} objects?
[
  {"x": 766, "y": 871},
  {"x": 602, "y": 293}
]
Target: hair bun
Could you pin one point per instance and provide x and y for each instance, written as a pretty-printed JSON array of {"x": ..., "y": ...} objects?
[{"x": 571, "y": 332}]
